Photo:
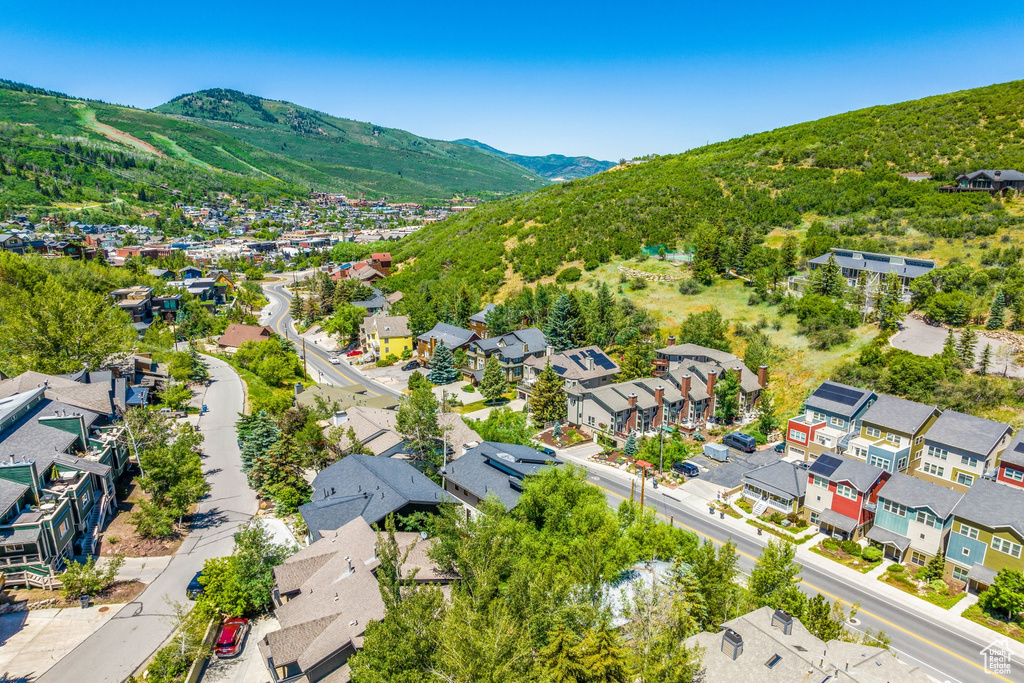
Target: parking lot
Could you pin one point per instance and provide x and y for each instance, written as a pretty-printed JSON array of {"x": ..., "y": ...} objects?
[{"x": 729, "y": 474}]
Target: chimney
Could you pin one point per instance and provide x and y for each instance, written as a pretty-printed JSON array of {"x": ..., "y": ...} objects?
[
  {"x": 732, "y": 644},
  {"x": 762, "y": 375},
  {"x": 998, "y": 173},
  {"x": 739, "y": 372},
  {"x": 712, "y": 378},
  {"x": 631, "y": 419},
  {"x": 671, "y": 340},
  {"x": 632, "y": 400},
  {"x": 659, "y": 395},
  {"x": 659, "y": 413},
  {"x": 783, "y": 620},
  {"x": 684, "y": 386},
  {"x": 549, "y": 350},
  {"x": 590, "y": 362}
]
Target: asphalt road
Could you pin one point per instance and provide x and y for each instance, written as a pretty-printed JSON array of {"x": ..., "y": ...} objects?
[
  {"x": 319, "y": 367},
  {"x": 119, "y": 647},
  {"x": 943, "y": 651}
]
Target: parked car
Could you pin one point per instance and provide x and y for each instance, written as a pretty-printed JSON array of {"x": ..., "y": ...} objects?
[
  {"x": 780, "y": 447},
  {"x": 334, "y": 360},
  {"x": 231, "y": 638},
  {"x": 354, "y": 352},
  {"x": 411, "y": 365},
  {"x": 686, "y": 468},
  {"x": 741, "y": 442},
  {"x": 546, "y": 451},
  {"x": 195, "y": 587}
]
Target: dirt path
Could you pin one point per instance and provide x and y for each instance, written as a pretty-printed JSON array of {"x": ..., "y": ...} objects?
[{"x": 115, "y": 135}]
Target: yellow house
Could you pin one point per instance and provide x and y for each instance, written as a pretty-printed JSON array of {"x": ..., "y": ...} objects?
[
  {"x": 223, "y": 279},
  {"x": 381, "y": 335}
]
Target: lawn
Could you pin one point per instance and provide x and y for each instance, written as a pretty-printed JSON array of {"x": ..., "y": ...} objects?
[
  {"x": 845, "y": 559},
  {"x": 482, "y": 403},
  {"x": 979, "y": 616},
  {"x": 921, "y": 590},
  {"x": 804, "y": 369}
]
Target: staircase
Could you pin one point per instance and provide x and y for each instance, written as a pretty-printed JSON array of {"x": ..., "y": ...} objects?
[
  {"x": 93, "y": 526},
  {"x": 759, "y": 507}
]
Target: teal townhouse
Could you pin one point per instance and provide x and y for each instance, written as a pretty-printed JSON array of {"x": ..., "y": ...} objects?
[
  {"x": 891, "y": 433},
  {"x": 57, "y": 471},
  {"x": 913, "y": 519}
]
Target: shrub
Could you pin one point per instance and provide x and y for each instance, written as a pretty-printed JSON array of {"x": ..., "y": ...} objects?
[
  {"x": 387, "y": 360},
  {"x": 570, "y": 274},
  {"x": 638, "y": 283},
  {"x": 689, "y": 286},
  {"x": 469, "y": 389},
  {"x": 872, "y": 554},
  {"x": 85, "y": 579},
  {"x": 830, "y": 544},
  {"x": 851, "y": 548},
  {"x": 939, "y": 586},
  {"x": 896, "y": 569}
]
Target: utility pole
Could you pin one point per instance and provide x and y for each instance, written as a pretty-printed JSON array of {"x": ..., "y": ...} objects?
[
  {"x": 661, "y": 449},
  {"x": 304, "y": 371},
  {"x": 632, "y": 489},
  {"x": 643, "y": 482}
]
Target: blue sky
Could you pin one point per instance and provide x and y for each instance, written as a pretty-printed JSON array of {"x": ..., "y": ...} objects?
[{"x": 604, "y": 79}]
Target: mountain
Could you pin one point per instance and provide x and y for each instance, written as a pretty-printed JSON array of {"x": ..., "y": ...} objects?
[
  {"x": 842, "y": 170},
  {"x": 553, "y": 166},
  {"x": 353, "y": 156}
]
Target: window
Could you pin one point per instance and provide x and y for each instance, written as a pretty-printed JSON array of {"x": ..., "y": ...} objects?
[
  {"x": 966, "y": 552},
  {"x": 1015, "y": 475},
  {"x": 902, "y": 465},
  {"x": 873, "y": 432},
  {"x": 775, "y": 659},
  {"x": 795, "y": 435},
  {"x": 1004, "y": 546},
  {"x": 927, "y": 519},
  {"x": 846, "y": 491},
  {"x": 879, "y": 461},
  {"x": 939, "y": 453},
  {"x": 824, "y": 440},
  {"x": 819, "y": 481},
  {"x": 15, "y": 548},
  {"x": 893, "y": 438},
  {"x": 917, "y": 558},
  {"x": 964, "y": 460},
  {"x": 85, "y": 499},
  {"x": 817, "y": 417},
  {"x": 837, "y": 422},
  {"x": 62, "y": 529},
  {"x": 964, "y": 479},
  {"x": 861, "y": 453},
  {"x": 894, "y": 508},
  {"x": 969, "y": 532},
  {"x": 814, "y": 518},
  {"x": 960, "y": 574},
  {"x": 918, "y": 440},
  {"x": 931, "y": 468}
]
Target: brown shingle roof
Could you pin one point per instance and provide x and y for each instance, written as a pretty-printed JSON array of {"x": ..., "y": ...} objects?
[{"x": 237, "y": 334}]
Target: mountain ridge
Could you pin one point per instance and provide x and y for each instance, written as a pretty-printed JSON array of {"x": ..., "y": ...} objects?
[{"x": 555, "y": 167}]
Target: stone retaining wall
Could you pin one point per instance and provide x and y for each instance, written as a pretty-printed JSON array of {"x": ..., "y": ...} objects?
[{"x": 653, "y": 277}]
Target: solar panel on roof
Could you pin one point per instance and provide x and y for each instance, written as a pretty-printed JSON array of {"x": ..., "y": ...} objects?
[
  {"x": 841, "y": 395},
  {"x": 825, "y": 465},
  {"x": 1019, "y": 447}
]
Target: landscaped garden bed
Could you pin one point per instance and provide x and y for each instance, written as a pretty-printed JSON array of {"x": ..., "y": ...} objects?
[
  {"x": 849, "y": 553},
  {"x": 939, "y": 592},
  {"x": 567, "y": 436},
  {"x": 996, "y": 623},
  {"x": 121, "y": 537},
  {"x": 117, "y": 593}
]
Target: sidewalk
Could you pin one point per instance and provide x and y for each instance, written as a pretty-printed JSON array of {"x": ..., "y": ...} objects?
[{"x": 32, "y": 642}]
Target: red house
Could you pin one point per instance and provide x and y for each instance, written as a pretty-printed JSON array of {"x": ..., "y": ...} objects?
[
  {"x": 1010, "y": 470},
  {"x": 842, "y": 494}
]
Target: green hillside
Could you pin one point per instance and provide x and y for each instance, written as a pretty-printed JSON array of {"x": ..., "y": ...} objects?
[
  {"x": 353, "y": 156},
  {"x": 843, "y": 170},
  {"x": 551, "y": 166}
]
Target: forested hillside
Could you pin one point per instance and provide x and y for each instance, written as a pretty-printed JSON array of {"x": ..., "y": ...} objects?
[
  {"x": 351, "y": 155},
  {"x": 552, "y": 166},
  {"x": 843, "y": 170}
]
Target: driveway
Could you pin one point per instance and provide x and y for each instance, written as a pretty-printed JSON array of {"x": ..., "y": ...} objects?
[
  {"x": 248, "y": 666},
  {"x": 121, "y": 645},
  {"x": 923, "y": 339}
]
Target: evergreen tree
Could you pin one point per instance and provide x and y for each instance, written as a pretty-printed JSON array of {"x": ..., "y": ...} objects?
[
  {"x": 562, "y": 658},
  {"x": 297, "y": 309},
  {"x": 637, "y": 360},
  {"x": 604, "y": 658},
  {"x": 949, "y": 351},
  {"x": 500, "y": 320},
  {"x": 965, "y": 348},
  {"x": 1017, "y": 321},
  {"x": 890, "y": 303},
  {"x": 604, "y": 316},
  {"x": 828, "y": 279},
  {"x": 787, "y": 255},
  {"x": 631, "y": 448},
  {"x": 256, "y": 434},
  {"x": 565, "y": 328},
  {"x": 442, "y": 366},
  {"x": 547, "y": 400},
  {"x": 774, "y": 579},
  {"x": 493, "y": 384},
  {"x": 418, "y": 421},
  {"x": 986, "y": 360},
  {"x": 960, "y": 314},
  {"x": 277, "y": 474},
  {"x": 727, "y": 396},
  {"x": 767, "y": 419},
  {"x": 997, "y": 312}
]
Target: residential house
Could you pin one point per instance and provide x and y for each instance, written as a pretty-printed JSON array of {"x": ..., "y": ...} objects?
[
  {"x": 892, "y": 433},
  {"x": 585, "y": 368},
  {"x": 12, "y": 242},
  {"x": 382, "y": 262},
  {"x": 478, "y": 321},
  {"x": 375, "y": 429},
  {"x": 137, "y": 301},
  {"x": 237, "y": 334},
  {"x": 161, "y": 273},
  {"x": 370, "y": 487},
  {"x": 987, "y": 534},
  {"x": 913, "y": 519},
  {"x": 452, "y": 336},
  {"x": 780, "y": 486},
  {"x": 190, "y": 273},
  {"x": 511, "y": 350},
  {"x": 343, "y": 398},
  {"x": 676, "y": 356},
  {"x": 1010, "y": 468},
  {"x": 842, "y": 494},
  {"x": 830, "y": 419},
  {"x": 380, "y": 335},
  {"x": 375, "y": 304},
  {"x": 618, "y": 410},
  {"x": 167, "y": 306},
  {"x": 874, "y": 267},
  {"x": 494, "y": 469},
  {"x": 959, "y": 449},
  {"x": 772, "y": 646},
  {"x": 991, "y": 181},
  {"x": 327, "y": 593},
  {"x": 681, "y": 363}
]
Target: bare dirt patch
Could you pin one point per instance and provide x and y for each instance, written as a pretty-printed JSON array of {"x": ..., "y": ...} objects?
[
  {"x": 118, "y": 136},
  {"x": 118, "y": 593},
  {"x": 120, "y": 536}
]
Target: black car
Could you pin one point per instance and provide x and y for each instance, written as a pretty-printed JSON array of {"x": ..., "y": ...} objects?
[
  {"x": 411, "y": 365},
  {"x": 195, "y": 588},
  {"x": 686, "y": 468},
  {"x": 546, "y": 451}
]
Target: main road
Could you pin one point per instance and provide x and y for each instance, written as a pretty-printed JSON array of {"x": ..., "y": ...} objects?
[
  {"x": 940, "y": 647},
  {"x": 318, "y": 359},
  {"x": 124, "y": 643}
]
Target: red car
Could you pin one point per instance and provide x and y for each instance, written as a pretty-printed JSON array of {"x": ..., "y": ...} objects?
[
  {"x": 232, "y": 637},
  {"x": 357, "y": 352}
]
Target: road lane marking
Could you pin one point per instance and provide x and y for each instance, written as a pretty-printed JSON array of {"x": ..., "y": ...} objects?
[{"x": 834, "y": 597}]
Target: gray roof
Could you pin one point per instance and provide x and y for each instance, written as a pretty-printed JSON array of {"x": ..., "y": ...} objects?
[
  {"x": 374, "y": 304},
  {"x": 898, "y": 414},
  {"x": 452, "y": 336},
  {"x": 19, "y": 536},
  {"x": 839, "y": 468},
  {"x": 573, "y": 364},
  {"x": 780, "y": 477},
  {"x": 369, "y": 487},
  {"x": 837, "y": 520},
  {"x": 992, "y": 505},
  {"x": 838, "y": 399},
  {"x": 491, "y": 467},
  {"x": 481, "y": 316},
  {"x": 29, "y": 439},
  {"x": 10, "y": 493},
  {"x": 918, "y": 493},
  {"x": 982, "y": 574},
  {"x": 876, "y": 263},
  {"x": 1014, "y": 453},
  {"x": 886, "y": 537},
  {"x": 1004, "y": 174},
  {"x": 510, "y": 345},
  {"x": 966, "y": 432},
  {"x": 695, "y": 352}
]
